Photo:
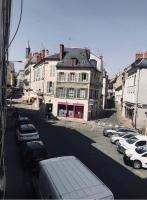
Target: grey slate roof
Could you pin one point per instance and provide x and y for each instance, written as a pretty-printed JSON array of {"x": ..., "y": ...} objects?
[
  {"x": 79, "y": 54},
  {"x": 142, "y": 63},
  {"x": 54, "y": 57}
]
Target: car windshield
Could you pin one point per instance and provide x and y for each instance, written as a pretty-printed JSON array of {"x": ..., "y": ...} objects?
[
  {"x": 141, "y": 150},
  {"x": 121, "y": 134},
  {"x": 131, "y": 140},
  {"x": 128, "y": 136}
]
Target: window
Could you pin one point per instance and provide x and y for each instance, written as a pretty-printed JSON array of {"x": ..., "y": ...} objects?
[
  {"x": 61, "y": 92},
  {"x": 49, "y": 87},
  {"x": 72, "y": 77},
  {"x": 82, "y": 93},
  {"x": 71, "y": 92},
  {"x": 140, "y": 143},
  {"x": 62, "y": 76},
  {"x": 145, "y": 155},
  {"x": 135, "y": 79},
  {"x": 83, "y": 77}
]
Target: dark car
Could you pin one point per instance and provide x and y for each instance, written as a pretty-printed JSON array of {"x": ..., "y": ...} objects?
[
  {"x": 32, "y": 152},
  {"x": 22, "y": 121}
]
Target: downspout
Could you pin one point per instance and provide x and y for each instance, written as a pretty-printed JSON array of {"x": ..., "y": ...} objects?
[{"x": 136, "y": 106}]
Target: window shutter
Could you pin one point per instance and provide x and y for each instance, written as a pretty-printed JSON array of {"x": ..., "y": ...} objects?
[
  {"x": 47, "y": 89},
  {"x": 52, "y": 88}
]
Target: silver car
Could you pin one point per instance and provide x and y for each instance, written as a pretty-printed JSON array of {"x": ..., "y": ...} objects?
[{"x": 26, "y": 132}]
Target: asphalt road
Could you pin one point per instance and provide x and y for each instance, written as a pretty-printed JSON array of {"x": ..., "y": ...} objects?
[{"x": 63, "y": 141}]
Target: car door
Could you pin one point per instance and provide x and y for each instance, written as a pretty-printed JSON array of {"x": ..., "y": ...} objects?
[{"x": 144, "y": 160}]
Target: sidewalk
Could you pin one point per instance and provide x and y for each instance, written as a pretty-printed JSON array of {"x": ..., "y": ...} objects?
[{"x": 122, "y": 120}]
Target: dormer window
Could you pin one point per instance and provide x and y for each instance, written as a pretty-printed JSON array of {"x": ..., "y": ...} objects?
[{"x": 73, "y": 61}]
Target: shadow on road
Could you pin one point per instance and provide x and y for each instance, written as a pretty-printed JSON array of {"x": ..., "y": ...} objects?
[
  {"x": 62, "y": 141},
  {"x": 107, "y": 113}
]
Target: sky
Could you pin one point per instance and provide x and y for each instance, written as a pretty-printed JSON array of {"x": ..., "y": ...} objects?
[{"x": 115, "y": 29}]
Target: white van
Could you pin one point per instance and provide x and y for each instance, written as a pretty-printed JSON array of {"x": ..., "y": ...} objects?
[{"x": 68, "y": 178}]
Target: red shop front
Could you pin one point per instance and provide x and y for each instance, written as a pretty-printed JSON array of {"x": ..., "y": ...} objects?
[{"x": 70, "y": 110}]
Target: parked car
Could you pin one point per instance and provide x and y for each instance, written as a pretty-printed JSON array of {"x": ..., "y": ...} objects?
[
  {"x": 32, "y": 152},
  {"x": 136, "y": 157},
  {"x": 121, "y": 136},
  {"x": 26, "y": 132},
  {"x": 133, "y": 142},
  {"x": 109, "y": 132},
  {"x": 68, "y": 178},
  {"x": 22, "y": 121}
]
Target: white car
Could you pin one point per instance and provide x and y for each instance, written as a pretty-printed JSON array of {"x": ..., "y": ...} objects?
[
  {"x": 121, "y": 136},
  {"x": 137, "y": 158},
  {"x": 133, "y": 142},
  {"x": 111, "y": 131},
  {"x": 26, "y": 132}
]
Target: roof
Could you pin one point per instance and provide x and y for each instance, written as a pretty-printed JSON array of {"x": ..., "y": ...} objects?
[
  {"x": 71, "y": 179},
  {"x": 79, "y": 54},
  {"x": 141, "y": 63},
  {"x": 54, "y": 57}
]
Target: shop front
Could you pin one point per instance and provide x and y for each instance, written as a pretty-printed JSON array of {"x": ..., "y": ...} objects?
[{"x": 70, "y": 110}]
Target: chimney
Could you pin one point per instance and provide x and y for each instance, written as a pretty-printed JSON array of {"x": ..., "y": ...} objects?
[
  {"x": 38, "y": 58},
  {"x": 139, "y": 56},
  {"x": 28, "y": 50},
  {"x": 43, "y": 53},
  {"x": 61, "y": 51},
  {"x": 145, "y": 54},
  {"x": 88, "y": 53}
]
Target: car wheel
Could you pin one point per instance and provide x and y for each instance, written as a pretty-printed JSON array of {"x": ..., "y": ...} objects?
[
  {"x": 137, "y": 164},
  {"x": 116, "y": 142},
  {"x": 109, "y": 134}
]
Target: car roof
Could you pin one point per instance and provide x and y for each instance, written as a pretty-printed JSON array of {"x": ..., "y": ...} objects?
[
  {"x": 141, "y": 137},
  {"x": 77, "y": 179},
  {"x": 35, "y": 144}
]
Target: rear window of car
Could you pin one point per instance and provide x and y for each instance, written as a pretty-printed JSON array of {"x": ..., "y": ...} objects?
[
  {"x": 27, "y": 130},
  {"x": 24, "y": 122}
]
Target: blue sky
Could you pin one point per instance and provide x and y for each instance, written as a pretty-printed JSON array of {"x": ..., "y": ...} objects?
[{"x": 115, "y": 29}]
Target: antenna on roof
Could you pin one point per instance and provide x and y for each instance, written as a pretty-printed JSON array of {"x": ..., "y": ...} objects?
[{"x": 69, "y": 42}]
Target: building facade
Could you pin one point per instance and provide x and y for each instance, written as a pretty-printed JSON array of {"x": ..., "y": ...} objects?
[
  {"x": 68, "y": 84},
  {"x": 135, "y": 96},
  {"x": 20, "y": 79},
  {"x": 78, "y": 86}
]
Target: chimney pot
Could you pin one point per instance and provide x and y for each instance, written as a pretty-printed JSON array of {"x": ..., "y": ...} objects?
[{"x": 145, "y": 54}]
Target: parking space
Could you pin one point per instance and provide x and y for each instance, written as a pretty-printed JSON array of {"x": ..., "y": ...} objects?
[{"x": 103, "y": 144}]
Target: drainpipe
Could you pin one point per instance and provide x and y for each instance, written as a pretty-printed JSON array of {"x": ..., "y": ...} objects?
[{"x": 136, "y": 108}]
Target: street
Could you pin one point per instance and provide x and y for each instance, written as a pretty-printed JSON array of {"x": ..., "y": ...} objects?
[{"x": 63, "y": 138}]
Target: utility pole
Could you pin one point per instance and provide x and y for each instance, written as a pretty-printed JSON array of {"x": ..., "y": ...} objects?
[{"x": 5, "y": 10}]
